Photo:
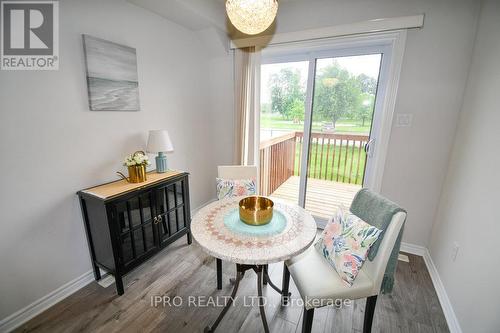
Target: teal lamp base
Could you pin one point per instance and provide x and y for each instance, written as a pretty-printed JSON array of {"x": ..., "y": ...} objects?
[{"x": 161, "y": 162}]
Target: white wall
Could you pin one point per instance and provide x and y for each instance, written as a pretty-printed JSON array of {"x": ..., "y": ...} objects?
[
  {"x": 221, "y": 91},
  {"x": 431, "y": 86},
  {"x": 53, "y": 146},
  {"x": 469, "y": 212}
]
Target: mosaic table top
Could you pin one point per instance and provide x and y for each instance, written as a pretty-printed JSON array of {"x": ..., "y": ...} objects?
[{"x": 215, "y": 238}]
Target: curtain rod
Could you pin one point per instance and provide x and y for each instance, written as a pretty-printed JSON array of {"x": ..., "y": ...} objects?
[{"x": 376, "y": 25}]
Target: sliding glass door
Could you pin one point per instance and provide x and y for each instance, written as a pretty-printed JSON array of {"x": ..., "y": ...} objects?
[
  {"x": 343, "y": 102},
  {"x": 319, "y": 120}
]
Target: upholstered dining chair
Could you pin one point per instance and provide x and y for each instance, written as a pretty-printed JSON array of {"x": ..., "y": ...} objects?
[
  {"x": 233, "y": 172},
  {"x": 237, "y": 171},
  {"x": 319, "y": 284}
]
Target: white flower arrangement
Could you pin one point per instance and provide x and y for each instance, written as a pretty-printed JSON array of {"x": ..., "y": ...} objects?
[{"x": 138, "y": 158}]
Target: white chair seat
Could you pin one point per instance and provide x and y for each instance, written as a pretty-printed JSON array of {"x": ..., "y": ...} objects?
[
  {"x": 320, "y": 285},
  {"x": 317, "y": 281}
]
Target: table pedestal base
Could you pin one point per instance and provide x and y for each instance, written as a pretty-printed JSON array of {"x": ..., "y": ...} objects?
[{"x": 262, "y": 278}]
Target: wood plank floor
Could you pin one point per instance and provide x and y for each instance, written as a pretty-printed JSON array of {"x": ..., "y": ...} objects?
[
  {"x": 183, "y": 271},
  {"x": 323, "y": 197}
]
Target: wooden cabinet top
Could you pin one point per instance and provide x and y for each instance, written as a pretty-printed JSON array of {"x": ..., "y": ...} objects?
[{"x": 119, "y": 187}]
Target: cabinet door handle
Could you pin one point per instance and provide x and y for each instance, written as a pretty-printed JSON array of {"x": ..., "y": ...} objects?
[
  {"x": 155, "y": 220},
  {"x": 160, "y": 218}
]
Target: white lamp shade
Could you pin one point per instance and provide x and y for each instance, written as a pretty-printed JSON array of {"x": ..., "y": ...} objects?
[{"x": 159, "y": 141}]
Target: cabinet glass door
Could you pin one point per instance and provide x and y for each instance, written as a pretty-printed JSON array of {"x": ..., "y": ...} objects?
[
  {"x": 135, "y": 219},
  {"x": 171, "y": 206}
]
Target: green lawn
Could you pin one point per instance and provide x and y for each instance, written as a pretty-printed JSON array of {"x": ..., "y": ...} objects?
[
  {"x": 321, "y": 168},
  {"x": 274, "y": 121}
]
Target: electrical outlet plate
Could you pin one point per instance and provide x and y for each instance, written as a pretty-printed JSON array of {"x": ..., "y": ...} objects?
[
  {"x": 106, "y": 280},
  {"x": 404, "y": 120},
  {"x": 403, "y": 257}
]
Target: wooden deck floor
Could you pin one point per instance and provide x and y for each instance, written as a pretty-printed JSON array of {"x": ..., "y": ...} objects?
[{"x": 323, "y": 197}]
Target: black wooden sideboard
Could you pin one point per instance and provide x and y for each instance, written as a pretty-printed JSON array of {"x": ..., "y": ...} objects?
[{"x": 126, "y": 223}]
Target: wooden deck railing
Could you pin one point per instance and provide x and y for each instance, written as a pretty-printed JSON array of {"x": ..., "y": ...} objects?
[
  {"x": 277, "y": 160},
  {"x": 334, "y": 157}
]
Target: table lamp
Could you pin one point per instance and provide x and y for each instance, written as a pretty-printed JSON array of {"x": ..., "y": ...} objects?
[{"x": 159, "y": 142}]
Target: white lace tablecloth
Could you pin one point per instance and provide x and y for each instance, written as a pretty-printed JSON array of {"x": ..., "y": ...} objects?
[{"x": 212, "y": 235}]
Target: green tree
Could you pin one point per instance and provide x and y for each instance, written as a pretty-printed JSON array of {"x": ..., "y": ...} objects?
[
  {"x": 365, "y": 109},
  {"x": 336, "y": 95},
  {"x": 285, "y": 90},
  {"x": 368, "y": 84},
  {"x": 297, "y": 110},
  {"x": 265, "y": 108}
]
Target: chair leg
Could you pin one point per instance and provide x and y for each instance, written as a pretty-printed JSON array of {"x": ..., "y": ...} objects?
[
  {"x": 285, "y": 286},
  {"x": 307, "y": 320},
  {"x": 219, "y": 273},
  {"x": 369, "y": 311}
]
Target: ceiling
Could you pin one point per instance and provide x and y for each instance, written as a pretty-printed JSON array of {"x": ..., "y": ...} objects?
[
  {"x": 191, "y": 14},
  {"x": 195, "y": 14}
]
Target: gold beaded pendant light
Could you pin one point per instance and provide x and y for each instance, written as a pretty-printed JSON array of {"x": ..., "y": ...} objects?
[{"x": 251, "y": 16}]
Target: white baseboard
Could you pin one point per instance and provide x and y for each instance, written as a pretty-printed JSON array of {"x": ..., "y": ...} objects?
[
  {"x": 448, "y": 311},
  {"x": 413, "y": 249},
  {"x": 449, "y": 314},
  {"x": 23, "y": 315}
]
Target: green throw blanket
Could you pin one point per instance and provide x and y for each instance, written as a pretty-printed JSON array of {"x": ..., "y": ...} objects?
[{"x": 378, "y": 211}]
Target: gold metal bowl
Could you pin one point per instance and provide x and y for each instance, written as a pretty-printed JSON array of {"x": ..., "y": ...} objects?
[{"x": 256, "y": 210}]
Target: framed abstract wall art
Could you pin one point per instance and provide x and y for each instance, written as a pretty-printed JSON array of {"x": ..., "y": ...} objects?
[{"x": 112, "y": 79}]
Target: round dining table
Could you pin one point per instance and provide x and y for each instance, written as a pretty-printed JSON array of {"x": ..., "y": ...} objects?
[{"x": 216, "y": 228}]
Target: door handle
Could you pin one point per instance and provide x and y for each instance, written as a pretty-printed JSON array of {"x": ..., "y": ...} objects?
[
  {"x": 160, "y": 218},
  {"x": 368, "y": 147},
  {"x": 155, "y": 220}
]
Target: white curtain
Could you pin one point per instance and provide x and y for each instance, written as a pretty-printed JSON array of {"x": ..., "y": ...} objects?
[{"x": 247, "y": 103}]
